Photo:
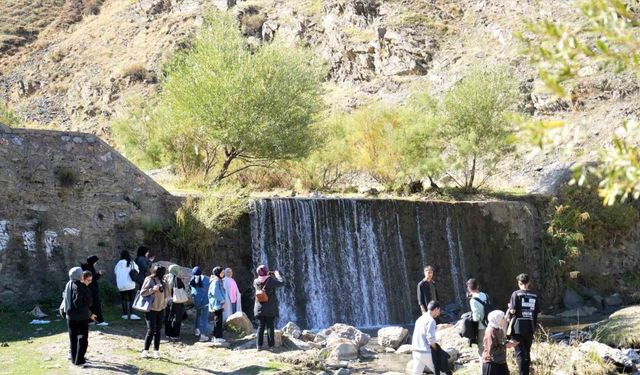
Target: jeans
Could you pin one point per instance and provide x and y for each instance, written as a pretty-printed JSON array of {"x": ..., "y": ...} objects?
[
  {"x": 234, "y": 307},
  {"x": 523, "y": 353},
  {"x": 78, "y": 340},
  {"x": 154, "y": 326},
  {"x": 217, "y": 331},
  {"x": 126, "y": 301},
  {"x": 202, "y": 317},
  {"x": 269, "y": 324}
]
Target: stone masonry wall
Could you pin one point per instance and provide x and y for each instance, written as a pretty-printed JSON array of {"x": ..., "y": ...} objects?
[{"x": 65, "y": 196}]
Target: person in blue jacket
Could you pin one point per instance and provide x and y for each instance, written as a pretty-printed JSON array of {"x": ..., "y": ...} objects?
[
  {"x": 200, "y": 291},
  {"x": 217, "y": 296}
]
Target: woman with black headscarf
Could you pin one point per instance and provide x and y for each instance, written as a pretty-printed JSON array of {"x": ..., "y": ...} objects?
[
  {"x": 143, "y": 261},
  {"x": 96, "y": 307}
]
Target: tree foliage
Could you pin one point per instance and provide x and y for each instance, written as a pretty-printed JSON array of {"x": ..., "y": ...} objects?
[
  {"x": 476, "y": 125},
  {"x": 606, "y": 36},
  {"x": 7, "y": 116},
  {"x": 224, "y": 108}
]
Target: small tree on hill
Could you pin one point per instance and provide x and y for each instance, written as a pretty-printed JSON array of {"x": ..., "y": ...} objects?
[
  {"x": 475, "y": 127},
  {"x": 224, "y": 108}
]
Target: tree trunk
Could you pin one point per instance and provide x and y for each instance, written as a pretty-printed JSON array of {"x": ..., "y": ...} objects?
[
  {"x": 473, "y": 174},
  {"x": 432, "y": 184},
  {"x": 229, "y": 157}
]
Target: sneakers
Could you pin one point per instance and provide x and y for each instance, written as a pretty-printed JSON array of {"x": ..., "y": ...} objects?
[
  {"x": 103, "y": 324},
  {"x": 124, "y": 317},
  {"x": 156, "y": 354},
  {"x": 144, "y": 354},
  {"x": 134, "y": 317},
  {"x": 203, "y": 338},
  {"x": 197, "y": 332}
]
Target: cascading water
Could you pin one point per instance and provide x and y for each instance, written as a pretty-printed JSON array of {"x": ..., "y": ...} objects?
[{"x": 358, "y": 261}]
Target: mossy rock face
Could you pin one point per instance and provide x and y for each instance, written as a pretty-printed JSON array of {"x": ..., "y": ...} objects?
[{"x": 622, "y": 329}]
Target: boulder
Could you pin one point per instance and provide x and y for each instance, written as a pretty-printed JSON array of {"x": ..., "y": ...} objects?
[
  {"x": 389, "y": 350},
  {"x": 296, "y": 344},
  {"x": 453, "y": 356},
  {"x": 572, "y": 300},
  {"x": 308, "y": 335},
  {"x": 342, "y": 371},
  {"x": 404, "y": 349},
  {"x": 392, "y": 337},
  {"x": 291, "y": 329},
  {"x": 367, "y": 353},
  {"x": 596, "y": 301},
  {"x": 613, "y": 300},
  {"x": 348, "y": 332},
  {"x": 240, "y": 322},
  {"x": 345, "y": 351}
]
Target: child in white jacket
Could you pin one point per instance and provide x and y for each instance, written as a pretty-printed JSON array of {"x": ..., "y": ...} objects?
[{"x": 126, "y": 284}]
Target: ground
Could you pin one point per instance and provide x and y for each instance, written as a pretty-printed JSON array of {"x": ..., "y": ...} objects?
[{"x": 42, "y": 349}]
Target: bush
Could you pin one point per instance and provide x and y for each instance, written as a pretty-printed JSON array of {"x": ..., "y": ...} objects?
[
  {"x": 7, "y": 116},
  {"x": 57, "y": 55},
  {"x": 138, "y": 73}
]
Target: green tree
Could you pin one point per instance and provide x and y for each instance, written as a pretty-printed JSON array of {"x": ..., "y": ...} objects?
[
  {"x": 7, "y": 116},
  {"x": 606, "y": 35},
  {"x": 475, "y": 125},
  {"x": 224, "y": 108}
]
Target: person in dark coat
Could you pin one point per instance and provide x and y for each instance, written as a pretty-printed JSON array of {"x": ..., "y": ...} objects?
[
  {"x": 175, "y": 310},
  {"x": 143, "y": 260},
  {"x": 96, "y": 307},
  {"x": 524, "y": 307},
  {"x": 76, "y": 300},
  {"x": 427, "y": 291},
  {"x": 268, "y": 311}
]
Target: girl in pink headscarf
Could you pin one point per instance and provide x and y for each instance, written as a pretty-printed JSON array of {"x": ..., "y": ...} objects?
[{"x": 233, "y": 298}]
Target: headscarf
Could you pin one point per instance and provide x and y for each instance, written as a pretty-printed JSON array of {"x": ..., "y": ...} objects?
[
  {"x": 124, "y": 255},
  {"x": 263, "y": 273},
  {"x": 174, "y": 269},
  {"x": 92, "y": 260},
  {"x": 217, "y": 271},
  {"x": 228, "y": 272},
  {"x": 495, "y": 319},
  {"x": 231, "y": 285},
  {"x": 196, "y": 279},
  {"x": 158, "y": 272},
  {"x": 75, "y": 274}
]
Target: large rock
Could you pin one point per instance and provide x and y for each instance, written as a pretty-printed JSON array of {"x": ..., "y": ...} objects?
[
  {"x": 296, "y": 344},
  {"x": 404, "y": 349},
  {"x": 572, "y": 300},
  {"x": 240, "y": 322},
  {"x": 345, "y": 351},
  {"x": 392, "y": 337},
  {"x": 621, "y": 329},
  {"x": 292, "y": 329},
  {"x": 308, "y": 335},
  {"x": 348, "y": 332}
]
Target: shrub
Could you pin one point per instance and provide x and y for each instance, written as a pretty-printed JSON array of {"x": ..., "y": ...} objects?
[
  {"x": 57, "y": 55},
  {"x": 7, "y": 116},
  {"x": 138, "y": 73}
]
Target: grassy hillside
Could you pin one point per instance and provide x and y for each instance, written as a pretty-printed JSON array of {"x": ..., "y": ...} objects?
[{"x": 22, "y": 20}]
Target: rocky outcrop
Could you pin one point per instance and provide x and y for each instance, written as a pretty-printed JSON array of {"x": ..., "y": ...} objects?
[{"x": 240, "y": 322}]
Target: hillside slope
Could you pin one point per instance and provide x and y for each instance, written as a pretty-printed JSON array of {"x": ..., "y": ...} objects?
[{"x": 80, "y": 76}]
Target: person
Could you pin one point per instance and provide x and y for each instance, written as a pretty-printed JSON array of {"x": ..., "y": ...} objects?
[
  {"x": 477, "y": 302},
  {"x": 126, "y": 285},
  {"x": 76, "y": 303},
  {"x": 143, "y": 260},
  {"x": 199, "y": 291},
  {"x": 233, "y": 301},
  {"x": 155, "y": 286},
  {"x": 427, "y": 289},
  {"x": 494, "y": 355},
  {"x": 217, "y": 296},
  {"x": 423, "y": 341},
  {"x": 268, "y": 311},
  {"x": 524, "y": 307},
  {"x": 175, "y": 310},
  {"x": 96, "y": 307}
]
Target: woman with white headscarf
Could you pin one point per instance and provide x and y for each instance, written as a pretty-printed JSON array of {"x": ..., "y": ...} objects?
[
  {"x": 233, "y": 301},
  {"x": 494, "y": 357}
]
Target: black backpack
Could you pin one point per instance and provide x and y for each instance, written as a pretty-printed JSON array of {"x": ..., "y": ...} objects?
[
  {"x": 486, "y": 307},
  {"x": 468, "y": 328}
]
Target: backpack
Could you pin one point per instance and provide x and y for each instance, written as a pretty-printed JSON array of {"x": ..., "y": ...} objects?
[
  {"x": 468, "y": 328},
  {"x": 133, "y": 272},
  {"x": 486, "y": 308}
]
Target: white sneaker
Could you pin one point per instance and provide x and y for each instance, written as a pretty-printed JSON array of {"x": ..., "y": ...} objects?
[
  {"x": 135, "y": 317},
  {"x": 203, "y": 338},
  {"x": 197, "y": 332},
  {"x": 156, "y": 354},
  {"x": 103, "y": 324},
  {"x": 124, "y": 317},
  {"x": 144, "y": 354}
]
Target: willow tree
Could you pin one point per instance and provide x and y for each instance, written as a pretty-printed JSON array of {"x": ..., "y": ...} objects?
[{"x": 224, "y": 108}]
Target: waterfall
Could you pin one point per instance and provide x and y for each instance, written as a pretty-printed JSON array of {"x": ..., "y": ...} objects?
[
  {"x": 456, "y": 259},
  {"x": 423, "y": 253}
]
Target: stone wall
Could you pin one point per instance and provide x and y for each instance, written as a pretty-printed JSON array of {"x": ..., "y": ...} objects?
[{"x": 66, "y": 196}]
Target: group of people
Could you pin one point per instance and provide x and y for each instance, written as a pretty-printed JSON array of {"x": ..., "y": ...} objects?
[
  {"x": 216, "y": 296},
  {"x": 495, "y": 332}
]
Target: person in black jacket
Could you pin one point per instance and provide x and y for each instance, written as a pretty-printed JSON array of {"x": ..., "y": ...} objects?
[
  {"x": 267, "y": 312},
  {"x": 427, "y": 291},
  {"x": 143, "y": 260},
  {"x": 96, "y": 307},
  {"x": 76, "y": 300},
  {"x": 524, "y": 307}
]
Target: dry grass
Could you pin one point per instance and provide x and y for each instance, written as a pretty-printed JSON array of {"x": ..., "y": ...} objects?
[
  {"x": 138, "y": 73},
  {"x": 21, "y": 21}
]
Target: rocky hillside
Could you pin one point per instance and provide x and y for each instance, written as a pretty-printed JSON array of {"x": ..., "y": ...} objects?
[{"x": 77, "y": 73}]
